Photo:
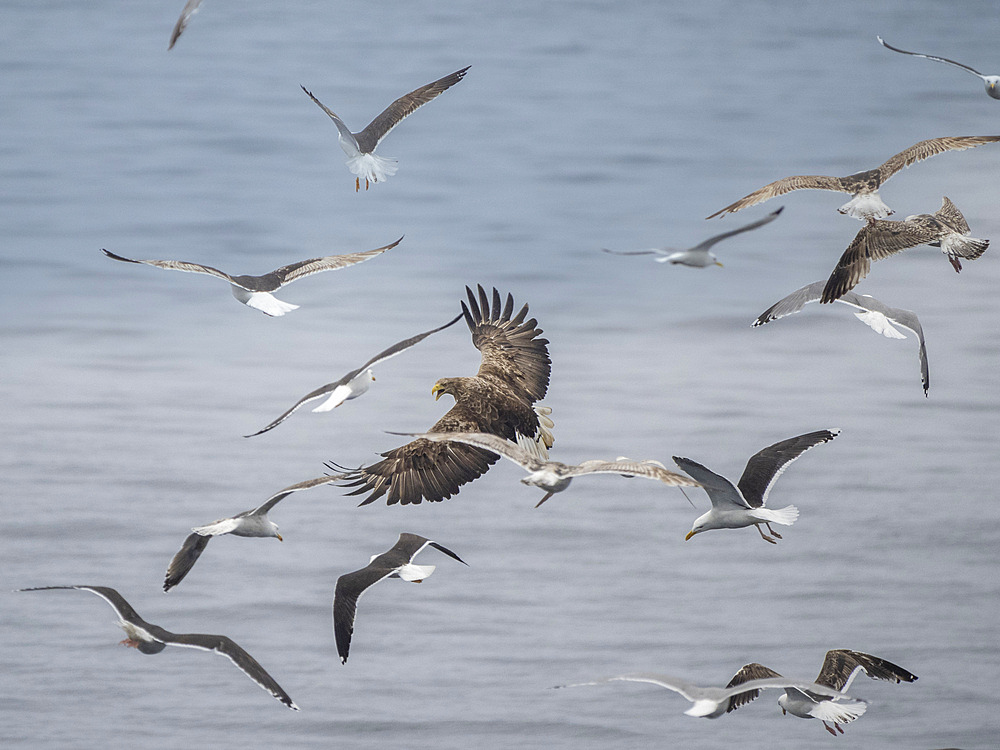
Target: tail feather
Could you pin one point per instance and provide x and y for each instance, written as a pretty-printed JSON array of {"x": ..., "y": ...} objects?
[{"x": 785, "y": 516}]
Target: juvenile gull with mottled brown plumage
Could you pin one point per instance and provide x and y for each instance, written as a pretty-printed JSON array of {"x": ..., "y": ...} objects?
[{"x": 866, "y": 204}]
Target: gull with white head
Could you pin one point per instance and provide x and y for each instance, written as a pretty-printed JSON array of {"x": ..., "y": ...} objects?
[
  {"x": 355, "y": 383},
  {"x": 255, "y": 291},
  {"x": 992, "y": 82},
  {"x": 360, "y": 147},
  {"x": 698, "y": 256},
  {"x": 395, "y": 563},
  {"x": 735, "y": 507},
  {"x": 249, "y": 523}
]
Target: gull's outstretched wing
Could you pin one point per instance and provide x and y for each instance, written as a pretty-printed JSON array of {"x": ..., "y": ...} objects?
[
  {"x": 765, "y": 466},
  {"x": 404, "y": 106}
]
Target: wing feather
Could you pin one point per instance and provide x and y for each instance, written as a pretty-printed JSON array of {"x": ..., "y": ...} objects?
[
  {"x": 782, "y": 186},
  {"x": 765, "y": 466},
  {"x": 748, "y": 672},
  {"x": 403, "y": 107}
]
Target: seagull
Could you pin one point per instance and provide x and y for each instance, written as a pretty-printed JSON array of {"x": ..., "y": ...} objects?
[
  {"x": 946, "y": 228},
  {"x": 874, "y": 314},
  {"x": 360, "y": 147},
  {"x": 353, "y": 384},
  {"x": 553, "y": 476},
  {"x": 699, "y": 255},
  {"x": 248, "y": 523},
  {"x": 255, "y": 291},
  {"x": 743, "y": 505},
  {"x": 990, "y": 81},
  {"x": 190, "y": 8},
  {"x": 866, "y": 204},
  {"x": 713, "y": 702},
  {"x": 152, "y": 639},
  {"x": 839, "y": 669},
  {"x": 396, "y": 563}
]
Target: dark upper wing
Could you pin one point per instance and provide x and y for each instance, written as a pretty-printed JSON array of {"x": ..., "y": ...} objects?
[
  {"x": 752, "y": 671},
  {"x": 185, "y": 559},
  {"x": 877, "y": 240},
  {"x": 421, "y": 469},
  {"x": 840, "y": 667},
  {"x": 513, "y": 355},
  {"x": 112, "y": 597},
  {"x": 232, "y": 651},
  {"x": 765, "y": 466},
  {"x": 405, "y": 105},
  {"x": 350, "y": 587}
]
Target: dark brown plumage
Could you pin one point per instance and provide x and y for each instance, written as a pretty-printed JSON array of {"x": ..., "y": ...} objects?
[{"x": 499, "y": 400}]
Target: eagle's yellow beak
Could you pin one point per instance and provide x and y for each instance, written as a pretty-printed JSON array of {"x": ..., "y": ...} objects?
[
  {"x": 437, "y": 390},
  {"x": 689, "y": 535}
]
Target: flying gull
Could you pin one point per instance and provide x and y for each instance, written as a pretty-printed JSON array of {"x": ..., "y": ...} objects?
[
  {"x": 553, "y": 476},
  {"x": 839, "y": 669},
  {"x": 713, "y": 702},
  {"x": 499, "y": 399},
  {"x": 946, "y": 228},
  {"x": 354, "y": 383},
  {"x": 699, "y": 255},
  {"x": 871, "y": 312},
  {"x": 360, "y": 147},
  {"x": 152, "y": 639},
  {"x": 743, "y": 505},
  {"x": 255, "y": 291},
  {"x": 990, "y": 81},
  {"x": 396, "y": 563},
  {"x": 248, "y": 523},
  {"x": 190, "y": 8},
  {"x": 866, "y": 204}
]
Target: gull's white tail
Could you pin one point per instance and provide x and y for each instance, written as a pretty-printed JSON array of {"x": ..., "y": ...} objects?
[
  {"x": 372, "y": 167},
  {"x": 785, "y": 516}
]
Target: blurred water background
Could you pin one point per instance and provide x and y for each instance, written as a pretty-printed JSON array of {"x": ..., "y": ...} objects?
[{"x": 580, "y": 125}]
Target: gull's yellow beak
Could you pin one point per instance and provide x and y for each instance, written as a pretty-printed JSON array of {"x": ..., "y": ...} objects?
[
  {"x": 279, "y": 537},
  {"x": 719, "y": 264},
  {"x": 689, "y": 535},
  {"x": 437, "y": 390}
]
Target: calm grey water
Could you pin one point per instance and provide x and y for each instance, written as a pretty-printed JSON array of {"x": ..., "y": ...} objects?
[{"x": 581, "y": 125}]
